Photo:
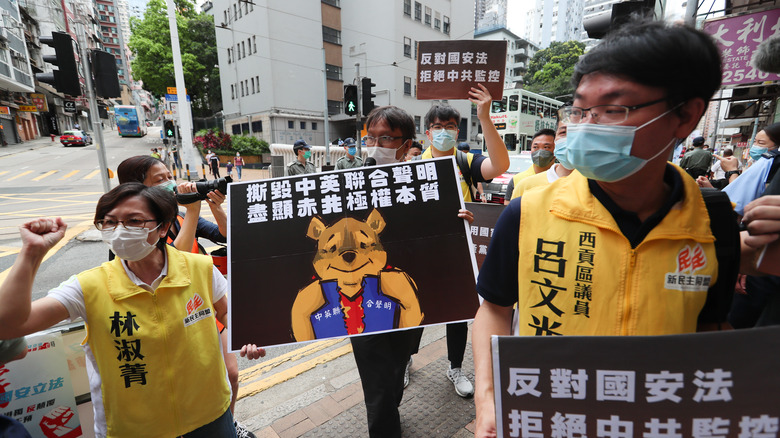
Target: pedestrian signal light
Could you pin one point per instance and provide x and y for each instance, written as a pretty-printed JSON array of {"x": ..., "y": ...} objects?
[
  {"x": 368, "y": 96},
  {"x": 350, "y": 100},
  {"x": 66, "y": 78},
  {"x": 169, "y": 128}
]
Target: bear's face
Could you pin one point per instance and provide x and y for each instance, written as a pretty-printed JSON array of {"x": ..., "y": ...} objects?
[{"x": 348, "y": 250}]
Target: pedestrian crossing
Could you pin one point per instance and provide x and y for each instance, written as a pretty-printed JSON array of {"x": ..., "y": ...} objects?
[{"x": 50, "y": 176}]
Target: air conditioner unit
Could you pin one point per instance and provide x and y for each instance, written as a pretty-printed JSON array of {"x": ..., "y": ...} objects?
[
  {"x": 5, "y": 13},
  {"x": 3, "y": 34}
]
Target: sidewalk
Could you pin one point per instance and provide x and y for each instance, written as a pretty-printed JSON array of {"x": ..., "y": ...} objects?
[{"x": 335, "y": 407}]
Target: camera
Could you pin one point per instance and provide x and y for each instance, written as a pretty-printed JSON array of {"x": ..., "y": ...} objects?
[{"x": 203, "y": 188}]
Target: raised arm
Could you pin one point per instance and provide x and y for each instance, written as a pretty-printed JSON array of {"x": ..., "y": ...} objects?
[
  {"x": 215, "y": 200},
  {"x": 18, "y": 315},
  {"x": 498, "y": 157}
]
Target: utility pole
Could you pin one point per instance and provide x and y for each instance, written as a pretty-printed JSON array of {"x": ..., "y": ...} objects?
[
  {"x": 325, "y": 113},
  {"x": 358, "y": 140},
  {"x": 185, "y": 122},
  {"x": 100, "y": 145}
]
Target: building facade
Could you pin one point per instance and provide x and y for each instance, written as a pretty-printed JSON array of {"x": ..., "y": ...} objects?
[
  {"x": 518, "y": 55},
  {"x": 283, "y": 68}
]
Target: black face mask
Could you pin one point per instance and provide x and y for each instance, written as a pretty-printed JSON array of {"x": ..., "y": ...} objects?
[{"x": 542, "y": 157}]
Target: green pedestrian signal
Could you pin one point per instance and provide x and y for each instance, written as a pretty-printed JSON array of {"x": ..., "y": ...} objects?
[
  {"x": 169, "y": 129},
  {"x": 350, "y": 100}
]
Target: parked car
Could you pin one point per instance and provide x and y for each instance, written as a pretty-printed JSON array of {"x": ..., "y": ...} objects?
[
  {"x": 75, "y": 138},
  {"x": 495, "y": 191}
]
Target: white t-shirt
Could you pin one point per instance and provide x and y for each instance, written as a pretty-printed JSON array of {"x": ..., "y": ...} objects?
[{"x": 70, "y": 295}]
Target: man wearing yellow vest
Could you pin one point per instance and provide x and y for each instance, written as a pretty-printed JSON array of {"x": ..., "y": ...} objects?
[
  {"x": 441, "y": 127},
  {"x": 556, "y": 170},
  {"x": 542, "y": 157},
  {"x": 623, "y": 246}
]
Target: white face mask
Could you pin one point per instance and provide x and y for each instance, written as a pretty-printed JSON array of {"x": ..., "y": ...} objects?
[
  {"x": 383, "y": 155},
  {"x": 130, "y": 245}
]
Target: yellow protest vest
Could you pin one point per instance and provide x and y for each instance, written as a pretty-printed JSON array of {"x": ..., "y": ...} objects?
[
  {"x": 161, "y": 367},
  {"x": 578, "y": 274},
  {"x": 463, "y": 186}
]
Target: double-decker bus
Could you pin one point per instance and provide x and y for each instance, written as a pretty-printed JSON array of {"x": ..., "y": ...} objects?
[
  {"x": 519, "y": 114},
  {"x": 130, "y": 121}
]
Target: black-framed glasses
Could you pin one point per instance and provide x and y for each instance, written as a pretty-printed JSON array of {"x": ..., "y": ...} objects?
[
  {"x": 384, "y": 140},
  {"x": 128, "y": 224},
  {"x": 602, "y": 114}
]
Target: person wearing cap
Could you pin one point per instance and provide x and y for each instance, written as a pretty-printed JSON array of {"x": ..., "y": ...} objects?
[
  {"x": 698, "y": 161},
  {"x": 350, "y": 160},
  {"x": 301, "y": 165}
]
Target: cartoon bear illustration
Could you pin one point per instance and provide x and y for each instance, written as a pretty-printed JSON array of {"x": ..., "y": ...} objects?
[{"x": 356, "y": 292}]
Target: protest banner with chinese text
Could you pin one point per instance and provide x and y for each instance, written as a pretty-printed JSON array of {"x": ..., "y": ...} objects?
[
  {"x": 448, "y": 69},
  {"x": 695, "y": 385},
  {"x": 37, "y": 391},
  {"x": 345, "y": 252}
]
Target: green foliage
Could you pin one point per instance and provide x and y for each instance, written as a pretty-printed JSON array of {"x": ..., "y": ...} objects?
[
  {"x": 551, "y": 69},
  {"x": 150, "y": 40},
  {"x": 224, "y": 144}
]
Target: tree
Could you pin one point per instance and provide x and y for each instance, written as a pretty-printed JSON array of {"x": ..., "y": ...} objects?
[
  {"x": 150, "y": 41},
  {"x": 551, "y": 69}
]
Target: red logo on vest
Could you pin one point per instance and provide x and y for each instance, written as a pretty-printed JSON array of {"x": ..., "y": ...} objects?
[
  {"x": 691, "y": 259},
  {"x": 194, "y": 303}
]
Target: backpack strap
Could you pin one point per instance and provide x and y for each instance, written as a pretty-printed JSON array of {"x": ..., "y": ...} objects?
[
  {"x": 723, "y": 224},
  {"x": 463, "y": 164}
]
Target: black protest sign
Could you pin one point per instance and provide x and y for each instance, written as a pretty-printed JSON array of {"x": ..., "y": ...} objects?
[
  {"x": 346, "y": 252},
  {"x": 485, "y": 218},
  {"x": 448, "y": 69},
  {"x": 717, "y": 384}
]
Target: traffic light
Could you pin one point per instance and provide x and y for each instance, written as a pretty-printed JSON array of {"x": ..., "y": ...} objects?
[
  {"x": 598, "y": 25},
  {"x": 169, "y": 129},
  {"x": 368, "y": 96},
  {"x": 66, "y": 78},
  {"x": 106, "y": 74},
  {"x": 350, "y": 100}
]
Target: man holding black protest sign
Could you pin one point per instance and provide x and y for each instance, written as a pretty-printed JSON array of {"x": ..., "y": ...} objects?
[{"x": 598, "y": 252}]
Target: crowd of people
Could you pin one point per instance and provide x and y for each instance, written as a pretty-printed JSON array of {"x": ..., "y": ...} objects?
[{"x": 601, "y": 181}]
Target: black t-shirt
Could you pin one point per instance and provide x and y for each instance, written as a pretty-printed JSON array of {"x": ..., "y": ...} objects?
[{"x": 498, "y": 277}]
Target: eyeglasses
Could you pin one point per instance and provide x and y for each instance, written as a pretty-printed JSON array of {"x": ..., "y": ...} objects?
[
  {"x": 601, "y": 114},
  {"x": 128, "y": 224},
  {"x": 384, "y": 140},
  {"x": 451, "y": 127}
]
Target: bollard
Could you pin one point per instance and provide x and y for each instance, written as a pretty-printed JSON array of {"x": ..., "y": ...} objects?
[
  {"x": 188, "y": 173},
  {"x": 52, "y": 137}
]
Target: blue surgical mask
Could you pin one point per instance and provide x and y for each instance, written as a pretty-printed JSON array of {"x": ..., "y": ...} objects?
[
  {"x": 352, "y": 150},
  {"x": 169, "y": 185},
  {"x": 756, "y": 152},
  {"x": 603, "y": 152},
  {"x": 444, "y": 139}
]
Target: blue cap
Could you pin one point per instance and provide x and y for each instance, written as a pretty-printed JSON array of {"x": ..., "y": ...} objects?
[
  {"x": 349, "y": 142},
  {"x": 300, "y": 144}
]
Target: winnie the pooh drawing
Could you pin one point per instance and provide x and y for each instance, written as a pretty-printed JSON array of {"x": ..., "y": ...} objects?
[{"x": 356, "y": 292}]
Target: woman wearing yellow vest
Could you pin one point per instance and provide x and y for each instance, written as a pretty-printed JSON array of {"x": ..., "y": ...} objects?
[
  {"x": 184, "y": 236},
  {"x": 156, "y": 367}
]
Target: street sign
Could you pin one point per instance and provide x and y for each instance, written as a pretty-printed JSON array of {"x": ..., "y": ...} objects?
[
  {"x": 174, "y": 109},
  {"x": 172, "y": 90},
  {"x": 174, "y": 97},
  {"x": 70, "y": 106}
]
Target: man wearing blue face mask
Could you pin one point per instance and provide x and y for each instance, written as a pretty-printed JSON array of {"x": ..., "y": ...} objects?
[
  {"x": 601, "y": 252},
  {"x": 441, "y": 124},
  {"x": 350, "y": 160}
]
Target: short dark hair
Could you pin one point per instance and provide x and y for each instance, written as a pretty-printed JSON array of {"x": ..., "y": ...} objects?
[
  {"x": 545, "y": 131},
  {"x": 442, "y": 112},
  {"x": 395, "y": 117},
  {"x": 159, "y": 200},
  {"x": 773, "y": 132},
  {"x": 727, "y": 152},
  {"x": 416, "y": 144},
  {"x": 682, "y": 60},
  {"x": 134, "y": 169}
]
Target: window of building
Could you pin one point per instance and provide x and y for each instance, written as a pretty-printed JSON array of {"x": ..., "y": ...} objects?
[
  {"x": 331, "y": 35},
  {"x": 257, "y": 79},
  {"x": 407, "y": 85},
  {"x": 416, "y": 44},
  {"x": 243, "y": 50},
  {"x": 235, "y": 12},
  {"x": 303, "y": 125},
  {"x": 313, "y": 126},
  {"x": 226, "y": 21},
  {"x": 229, "y": 51},
  {"x": 232, "y": 91},
  {"x": 334, "y": 107},
  {"x": 333, "y": 72},
  {"x": 437, "y": 22},
  {"x": 427, "y": 16},
  {"x": 236, "y": 129},
  {"x": 253, "y": 85},
  {"x": 246, "y": 7},
  {"x": 240, "y": 12},
  {"x": 290, "y": 124},
  {"x": 242, "y": 88},
  {"x": 408, "y": 8},
  {"x": 417, "y": 11},
  {"x": 254, "y": 44},
  {"x": 417, "y": 122},
  {"x": 335, "y": 3},
  {"x": 407, "y": 47},
  {"x": 249, "y": 44},
  {"x": 257, "y": 126},
  {"x": 446, "y": 27}
]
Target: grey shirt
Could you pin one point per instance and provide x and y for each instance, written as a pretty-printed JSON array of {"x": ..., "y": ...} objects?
[
  {"x": 296, "y": 168},
  {"x": 345, "y": 163}
]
